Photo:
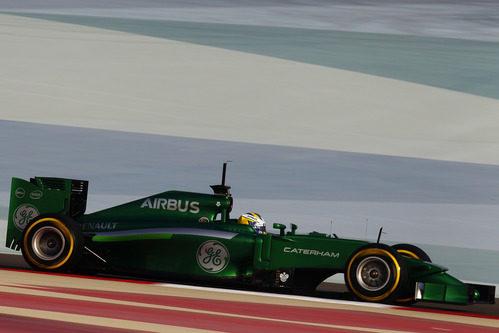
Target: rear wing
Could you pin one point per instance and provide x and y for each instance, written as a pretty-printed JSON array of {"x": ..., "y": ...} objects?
[{"x": 39, "y": 196}]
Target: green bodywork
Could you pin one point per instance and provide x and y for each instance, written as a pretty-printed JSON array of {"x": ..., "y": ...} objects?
[{"x": 188, "y": 234}]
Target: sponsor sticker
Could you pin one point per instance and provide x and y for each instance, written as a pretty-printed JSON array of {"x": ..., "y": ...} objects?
[
  {"x": 171, "y": 204},
  {"x": 35, "y": 195},
  {"x": 212, "y": 256},
  {"x": 283, "y": 277},
  {"x": 87, "y": 226},
  {"x": 311, "y": 252},
  {"x": 23, "y": 214},
  {"x": 204, "y": 219},
  {"x": 20, "y": 193}
]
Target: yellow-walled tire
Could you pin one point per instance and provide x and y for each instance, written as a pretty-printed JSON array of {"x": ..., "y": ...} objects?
[
  {"x": 411, "y": 251},
  {"x": 376, "y": 273},
  {"x": 52, "y": 242},
  {"x": 406, "y": 296}
]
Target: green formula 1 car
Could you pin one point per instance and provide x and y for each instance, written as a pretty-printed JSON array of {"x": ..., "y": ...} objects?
[{"x": 184, "y": 235}]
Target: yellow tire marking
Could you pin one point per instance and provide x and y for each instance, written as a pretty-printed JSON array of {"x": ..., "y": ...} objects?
[
  {"x": 64, "y": 230},
  {"x": 409, "y": 254},
  {"x": 403, "y": 300},
  {"x": 368, "y": 252}
]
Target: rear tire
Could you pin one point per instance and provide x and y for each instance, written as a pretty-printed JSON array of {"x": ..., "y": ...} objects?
[
  {"x": 52, "y": 242},
  {"x": 376, "y": 273}
]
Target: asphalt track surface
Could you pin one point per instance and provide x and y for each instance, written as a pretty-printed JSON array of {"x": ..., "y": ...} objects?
[{"x": 61, "y": 303}]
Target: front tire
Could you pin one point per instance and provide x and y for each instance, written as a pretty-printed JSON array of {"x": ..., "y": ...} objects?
[
  {"x": 406, "y": 296},
  {"x": 376, "y": 273},
  {"x": 52, "y": 242},
  {"x": 412, "y": 251}
]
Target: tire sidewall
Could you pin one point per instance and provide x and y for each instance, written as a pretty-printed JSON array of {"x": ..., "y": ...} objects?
[
  {"x": 73, "y": 242},
  {"x": 412, "y": 251},
  {"x": 383, "y": 254},
  {"x": 406, "y": 296}
]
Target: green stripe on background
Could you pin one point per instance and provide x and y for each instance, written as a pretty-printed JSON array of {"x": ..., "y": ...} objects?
[{"x": 460, "y": 65}]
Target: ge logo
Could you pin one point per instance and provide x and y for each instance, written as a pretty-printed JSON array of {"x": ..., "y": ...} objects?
[
  {"x": 23, "y": 214},
  {"x": 212, "y": 256}
]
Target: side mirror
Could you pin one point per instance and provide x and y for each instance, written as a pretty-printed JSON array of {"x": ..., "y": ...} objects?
[{"x": 281, "y": 227}]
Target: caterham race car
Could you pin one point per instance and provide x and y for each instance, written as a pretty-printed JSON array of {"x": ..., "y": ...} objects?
[{"x": 191, "y": 236}]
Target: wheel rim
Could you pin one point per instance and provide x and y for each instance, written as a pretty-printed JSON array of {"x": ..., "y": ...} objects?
[
  {"x": 48, "y": 243},
  {"x": 373, "y": 273}
]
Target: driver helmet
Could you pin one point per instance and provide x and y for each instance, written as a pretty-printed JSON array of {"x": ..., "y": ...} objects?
[{"x": 255, "y": 221}]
